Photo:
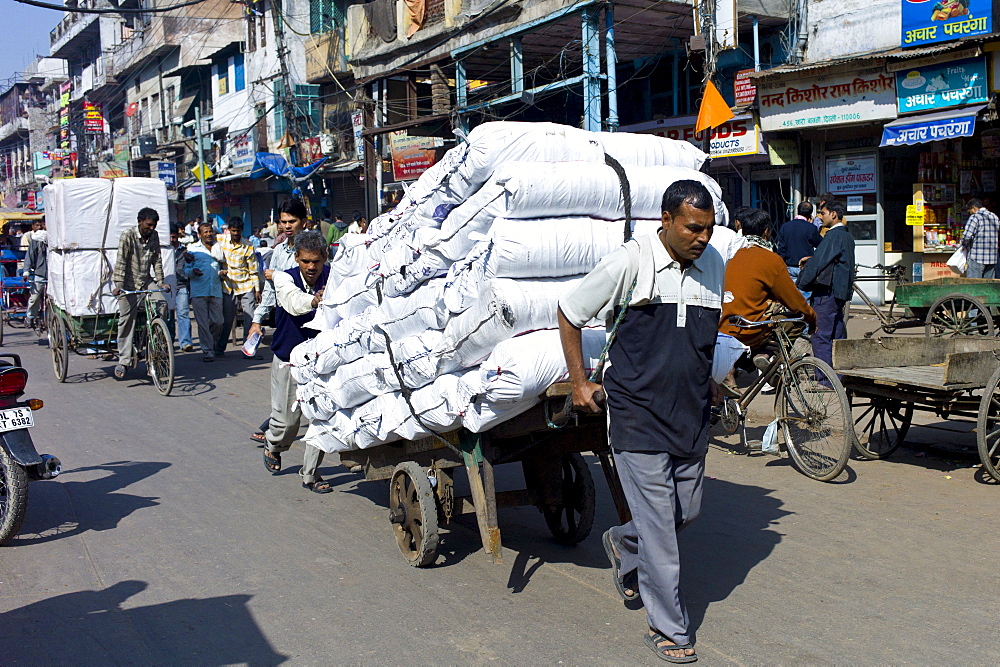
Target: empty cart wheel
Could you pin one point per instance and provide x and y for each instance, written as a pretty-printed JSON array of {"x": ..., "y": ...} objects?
[
  {"x": 571, "y": 520},
  {"x": 988, "y": 427},
  {"x": 413, "y": 514},
  {"x": 959, "y": 315},
  {"x": 880, "y": 425}
]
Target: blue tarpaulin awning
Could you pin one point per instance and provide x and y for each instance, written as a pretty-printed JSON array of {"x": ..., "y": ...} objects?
[
  {"x": 267, "y": 164},
  {"x": 931, "y": 127}
]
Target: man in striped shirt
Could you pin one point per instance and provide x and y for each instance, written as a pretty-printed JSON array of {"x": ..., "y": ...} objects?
[
  {"x": 241, "y": 283},
  {"x": 980, "y": 240}
]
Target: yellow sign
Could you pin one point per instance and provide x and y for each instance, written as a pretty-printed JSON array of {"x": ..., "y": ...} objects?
[
  {"x": 196, "y": 171},
  {"x": 914, "y": 217}
]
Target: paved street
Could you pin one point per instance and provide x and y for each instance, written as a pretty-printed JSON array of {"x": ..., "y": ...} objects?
[{"x": 165, "y": 541}]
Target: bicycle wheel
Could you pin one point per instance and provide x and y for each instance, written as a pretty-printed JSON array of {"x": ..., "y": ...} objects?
[
  {"x": 59, "y": 346},
  {"x": 160, "y": 357},
  {"x": 815, "y": 419}
]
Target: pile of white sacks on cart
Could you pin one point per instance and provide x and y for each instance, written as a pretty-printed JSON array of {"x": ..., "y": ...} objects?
[{"x": 459, "y": 284}]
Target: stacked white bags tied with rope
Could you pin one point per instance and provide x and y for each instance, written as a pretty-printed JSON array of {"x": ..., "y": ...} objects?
[{"x": 444, "y": 314}]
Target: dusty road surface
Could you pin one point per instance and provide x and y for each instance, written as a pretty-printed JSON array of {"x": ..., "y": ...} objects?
[{"x": 166, "y": 542}]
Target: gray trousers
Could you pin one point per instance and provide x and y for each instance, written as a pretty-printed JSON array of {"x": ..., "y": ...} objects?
[
  {"x": 283, "y": 428},
  {"x": 34, "y": 300},
  {"x": 129, "y": 306},
  {"x": 232, "y": 305},
  {"x": 208, "y": 315},
  {"x": 664, "y": 494}
]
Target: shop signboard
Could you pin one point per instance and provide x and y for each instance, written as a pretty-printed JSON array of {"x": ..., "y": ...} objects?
[
  {"x": 412, "y": 156},
  {"x": 850, "y": 175},
  {"x": 30, "y": 195},
  {"x": 737, "y": 136},
  {"x": 795, "y": 104},
  {"x": 922, "y": 131},
  {"x": 942, "y": 85},
  {"x": 743, "y": 88},
  {"x": 110, "y": 170},
  {"x": 242, "y": 150},
  {"x": 93, "y": 119},
  {"x": 931, "y": 21},
  {"x": 358, "y": 125},
  {"x": 166, "y": 172}
]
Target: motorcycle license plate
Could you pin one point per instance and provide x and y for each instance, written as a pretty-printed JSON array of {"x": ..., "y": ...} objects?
[{"x": 15, "y": 418}]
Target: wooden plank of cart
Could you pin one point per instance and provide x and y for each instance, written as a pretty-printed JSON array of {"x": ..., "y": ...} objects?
[
  {"x": 888, "y": 379},
  {"x": 547, "y": 442}
]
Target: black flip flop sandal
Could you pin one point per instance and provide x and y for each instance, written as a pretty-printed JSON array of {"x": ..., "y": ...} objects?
[
  {"x": 616, "y": 565},
  {"x": 654, "y": 640},
  {"x": 259, "y": 437},
  {"x": 313, "y": 486},
  {"x": 272, "y": 461}
]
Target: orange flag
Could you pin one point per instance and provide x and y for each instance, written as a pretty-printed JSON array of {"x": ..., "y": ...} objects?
[{"x": 714, "y": 111}]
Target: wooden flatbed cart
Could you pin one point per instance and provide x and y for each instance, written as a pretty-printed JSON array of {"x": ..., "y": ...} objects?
[
  {"x": 98, "y": 335},
  {"x": 557, "y": 478},
  {"x": 953, "y": 306},
  {"x": 888, "y": 379}
]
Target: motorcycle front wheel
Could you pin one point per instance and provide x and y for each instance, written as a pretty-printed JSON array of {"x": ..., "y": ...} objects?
[{"x": 13, "y": 496}]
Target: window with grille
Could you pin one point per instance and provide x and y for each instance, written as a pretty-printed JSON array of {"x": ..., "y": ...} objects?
[{"x": 326, "y": 15}]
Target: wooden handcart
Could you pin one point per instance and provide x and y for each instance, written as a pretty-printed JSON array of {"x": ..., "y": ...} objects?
[
  {"x": 546, "y": 441},
  {"x": 888, "y": 379},
  {"x": 953, "y": 306}
]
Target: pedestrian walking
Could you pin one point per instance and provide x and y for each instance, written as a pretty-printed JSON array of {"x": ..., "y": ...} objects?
[
  {"x": 138, "y": 255},
  {"x": 798, "y": 238},
  {"x": 980, "y": 240},
  {"x": 291, "y": 221},
  {"x": 829, "y": 275},
  {"x": 337, "y": 229},
  {"x": 205, "y": 262},
  {"x": 181, "y": 320},
  {"x": 36, "y": 270},
  {"x": 659, "y": 395},
  {"x": 241, "y": 283},
  {"x": 298, "y": 291}
]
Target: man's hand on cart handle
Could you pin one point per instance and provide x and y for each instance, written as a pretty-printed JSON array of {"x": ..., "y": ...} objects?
[
  {"x": 165, "y": 287},
  {"x": 589, "y": 397}
]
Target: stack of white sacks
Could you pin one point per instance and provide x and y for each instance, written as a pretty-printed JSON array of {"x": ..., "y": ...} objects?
[
  {"x": 459, "y": 284},
  {"x": 85, "y": 218}
]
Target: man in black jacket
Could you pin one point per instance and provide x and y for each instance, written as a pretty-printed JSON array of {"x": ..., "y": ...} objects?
[
  {"x": 830, "y": 276},
  {"x": 797, "y": 239}
]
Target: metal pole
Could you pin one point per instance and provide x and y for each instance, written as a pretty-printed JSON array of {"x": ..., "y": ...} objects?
[
  {"x": 591, "y": 72},
  {"x": 756, "y": 46},
  {"x": 201, "y": 163},
  {"x": 611, "y": 65}
]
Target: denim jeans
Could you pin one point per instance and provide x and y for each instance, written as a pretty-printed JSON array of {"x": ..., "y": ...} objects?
[
  {"x": 977, "y": 270},
  {"x": 182, "y": 327},
  {"x": 794, "y": 272}
]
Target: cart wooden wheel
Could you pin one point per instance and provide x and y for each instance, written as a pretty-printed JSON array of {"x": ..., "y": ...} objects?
[
  {"x": 988, "y": 427},
  {"x": 959, "y": 315},
  {"x": 880, "y": 425},
  {"x": 59, "y": 346},
  {"x": 413, "y": 514},
  {"x": 570, "y": 521}
]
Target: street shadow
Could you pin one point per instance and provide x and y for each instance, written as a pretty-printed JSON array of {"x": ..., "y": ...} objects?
[
  {"x": 64, "y": 508},
  {"x": 95, "y": 628},
  {"x": 731, "y": 536},
  {"x": 86, "y": 377}
]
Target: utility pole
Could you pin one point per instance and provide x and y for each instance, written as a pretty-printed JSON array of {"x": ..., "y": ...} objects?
[
  {"x": 287, "y": 102},
  {"x": 201, "y": 162}
]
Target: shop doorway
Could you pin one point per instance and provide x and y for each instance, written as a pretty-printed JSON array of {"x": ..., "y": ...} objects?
[{"x": 771, "y": 191}]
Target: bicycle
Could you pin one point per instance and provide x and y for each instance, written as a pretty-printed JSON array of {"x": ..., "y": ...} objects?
[
  {"x": 811, "y": 408},
  {"x": 888, "y": 322},
  {"x": 95, "y": 334}
]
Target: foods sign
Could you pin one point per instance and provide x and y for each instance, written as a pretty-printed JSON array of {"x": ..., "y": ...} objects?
[
  {"x": 830, "y": 100},
  {"x": 852, "y": 175},
  {"x": 930, "y": 21},
  {"x": 737, "y": 136},
  {"x": 942, "y": 85}
]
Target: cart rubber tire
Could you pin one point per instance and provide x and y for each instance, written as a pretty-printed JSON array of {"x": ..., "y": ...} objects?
[
  {"x": 160, "y": 357},
  {"x": 571, "y": 521},
  {"x": 988, "y": 427},
  {"x": 881, "y": 426},
  {"x": 815, "y": 419},
  {"x": 59, "y": 346},
  {"x": 413, "y": 514},
  {"x": 959, "y": 315},
  {"x": 13, "y": 496}
]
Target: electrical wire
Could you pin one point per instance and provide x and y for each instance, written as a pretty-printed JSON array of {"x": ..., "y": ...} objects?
[{"x": 116, "y": 10}]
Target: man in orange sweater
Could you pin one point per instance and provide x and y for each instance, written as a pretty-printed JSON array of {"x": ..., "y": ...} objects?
[{"x": 756, "y": 276}]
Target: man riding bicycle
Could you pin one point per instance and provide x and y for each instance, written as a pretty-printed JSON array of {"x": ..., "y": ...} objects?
[
  {"x": 756, "y": 279},
  {"x": 36, "y": 270},
  {"x": 138, "y": 253}
]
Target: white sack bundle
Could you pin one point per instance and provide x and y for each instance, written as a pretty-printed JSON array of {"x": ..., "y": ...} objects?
[
  {"x": 481, "y": 414},
  {"x": 505, "y": 309},
  {"x": 336, "y": 434},
  {"x": 524, "y": 367},
  {"x": 535, "y": 248},
  {"x": 80, "y": 280}
]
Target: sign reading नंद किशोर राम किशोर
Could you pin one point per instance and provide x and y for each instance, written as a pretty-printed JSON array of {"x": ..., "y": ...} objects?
[
  {"x": 942, "y": 85},
  {"x": 737, "y": 136},
  {"x": 930, "y": 21},
  {"x": 850, "y": 175},
  {"x": 830, "y": 100}
]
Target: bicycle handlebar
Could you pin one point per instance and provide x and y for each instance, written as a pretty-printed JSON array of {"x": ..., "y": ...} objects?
[
  {"x": 141, "y": 291},
  {"x": 740, "y": 321}
]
